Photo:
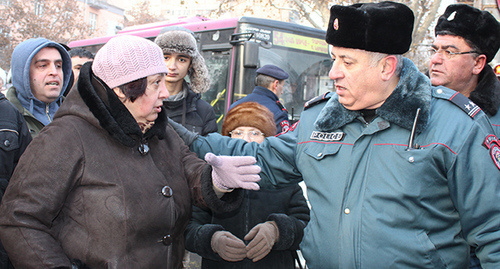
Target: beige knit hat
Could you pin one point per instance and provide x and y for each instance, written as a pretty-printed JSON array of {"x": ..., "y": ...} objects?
[
  {"x": 127, "y": 58},
  {"x": 250, "y": 114}
]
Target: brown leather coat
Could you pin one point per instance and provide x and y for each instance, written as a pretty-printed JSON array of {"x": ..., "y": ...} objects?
[{"x": 84, "y": 191}]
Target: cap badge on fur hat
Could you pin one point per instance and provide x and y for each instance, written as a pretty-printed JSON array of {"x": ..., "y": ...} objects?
[
  {"x": 474, "y": 25},
  {"x": 452, "y": 16},
  {"x": 336, "y": 24},
  {"x": 384, "y": 27}
]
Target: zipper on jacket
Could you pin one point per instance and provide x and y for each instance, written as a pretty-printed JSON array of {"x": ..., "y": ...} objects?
[
  {"x": 247, "y": 215},
  {"x": 47, "y": 112}
]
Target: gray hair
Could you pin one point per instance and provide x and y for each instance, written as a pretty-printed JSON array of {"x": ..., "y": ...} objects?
[
  {"x": 263, "y": 80},
  {"x": 376, "y": 57}
]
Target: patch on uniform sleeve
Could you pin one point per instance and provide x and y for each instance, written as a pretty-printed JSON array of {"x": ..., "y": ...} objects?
[
  {"x": 491, "y": 142},
  {"x": 285, "y": 125},
  {"x": 289, "y": 129},
  {"x": 317, "y": 100},
  {"x": 465, "y": 104}
]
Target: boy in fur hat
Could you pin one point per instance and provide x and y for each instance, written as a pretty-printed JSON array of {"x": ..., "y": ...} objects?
[
  {"x": 276, "y": 218},
  {"x": 399, "y": 173},
  {"x": 467, "y": 39},
  {"x": 184, "y": 105}
]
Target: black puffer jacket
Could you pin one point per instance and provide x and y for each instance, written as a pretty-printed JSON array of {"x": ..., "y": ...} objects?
[
  {"x": 14, "y": 138},
  {"x": 193, "y": 113},
  {"x": 286, "y": 206}
]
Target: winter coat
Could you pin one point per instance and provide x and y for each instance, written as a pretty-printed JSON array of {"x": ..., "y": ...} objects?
[
  {"x": 375, "y": 201},
  {"x": 487, "y": 96},
  {"x": 34, "y": 125},
  {"x": 23, "y": 97},
  {"x": 92, "y": 187},
  {"x": 286, "y": 206},
  {"x": 14, "y": 138},
  {"x": 192, "y": 112},
  {"x": 268, "y": 99}
]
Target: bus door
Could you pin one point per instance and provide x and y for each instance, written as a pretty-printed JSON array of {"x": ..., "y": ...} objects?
[
  {"x": 217, "y": 52},
  {"x": 304, "y": 57}
]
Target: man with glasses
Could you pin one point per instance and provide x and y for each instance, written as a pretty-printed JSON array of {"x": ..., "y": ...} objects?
[{"x": 467, "y": 39}]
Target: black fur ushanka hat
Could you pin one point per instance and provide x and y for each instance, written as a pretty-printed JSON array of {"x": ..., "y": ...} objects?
[
  {"x": 474, "y": 25},
  {"x": 384, "y": 27}
]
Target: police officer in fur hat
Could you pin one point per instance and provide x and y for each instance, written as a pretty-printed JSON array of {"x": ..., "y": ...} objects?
[
  {"x": 184, "y": 105},
  {"x": 467, "y": 39},
  {"x": 269, "y": 84},
  {"x": 399, "y": 173}
]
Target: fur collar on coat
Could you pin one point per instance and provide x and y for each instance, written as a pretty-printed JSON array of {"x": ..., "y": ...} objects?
[
  {"x": 487, "y": 93},
  {"x": 112, "y": 114},
  {"x": 413, "y": 91}
]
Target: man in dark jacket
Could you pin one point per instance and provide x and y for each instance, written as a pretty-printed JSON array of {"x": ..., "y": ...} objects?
[
  {"x": 184, "y": 105},
  {"x": 14, "y": 138},
  {"x": 269, "y": 84},
  {"x": 467, "y": 39}
]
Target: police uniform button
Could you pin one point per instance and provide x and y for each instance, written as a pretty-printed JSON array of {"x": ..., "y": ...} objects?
[
  {"x": 167, "y": 191},
  {"x": 347, "y": 211},
  {"x": 320, "y": 154},
  {"x": 167, "y": 240},
  {"x": 439, "y": 91},
  {"x": 411, "y": 159},
  {"x": 7, "y": 143}
]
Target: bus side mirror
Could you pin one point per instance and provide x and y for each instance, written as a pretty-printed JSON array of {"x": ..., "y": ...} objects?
[{"x": 251, "y": 54}]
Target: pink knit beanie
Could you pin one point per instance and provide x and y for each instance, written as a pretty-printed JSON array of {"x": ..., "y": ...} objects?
[{"x": 127, "y": 58}]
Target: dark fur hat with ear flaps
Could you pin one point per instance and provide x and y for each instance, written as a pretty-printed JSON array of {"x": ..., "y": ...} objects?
[
  {"x": 249, "y": 114},
  {"x": 175, "y": 39},
  {"x": 384, "y": 27},
  {"x": 474, "y": 25}
]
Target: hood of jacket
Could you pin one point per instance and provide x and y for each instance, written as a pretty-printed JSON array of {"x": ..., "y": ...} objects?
[
  {"x": 487, "y": 93},
  {"x": 412, "y": 92},
  {"x": 20, "y": 65},
  {"x": 98, "y": 104}
]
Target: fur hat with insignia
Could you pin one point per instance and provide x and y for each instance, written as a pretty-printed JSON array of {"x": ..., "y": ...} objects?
[
  {"x": 176, "y": 39},
  {"x": 250, "y": 114},
  {"x": 384, "y": 27},
  {"x": 478, "y": 27}
]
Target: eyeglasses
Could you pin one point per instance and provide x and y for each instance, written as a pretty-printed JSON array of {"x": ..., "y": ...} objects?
[
  {"x": 447, "y": 53},
  {"x": 241, "y": 134}
]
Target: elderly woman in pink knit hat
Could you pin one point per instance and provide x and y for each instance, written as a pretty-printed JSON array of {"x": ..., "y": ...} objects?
[{"x": 109, "y": 184}]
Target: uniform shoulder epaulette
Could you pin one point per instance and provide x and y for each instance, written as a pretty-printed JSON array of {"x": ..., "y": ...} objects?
[
  {"x": 317, "y": 100},
  {"x": 458, "y": 99}
]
